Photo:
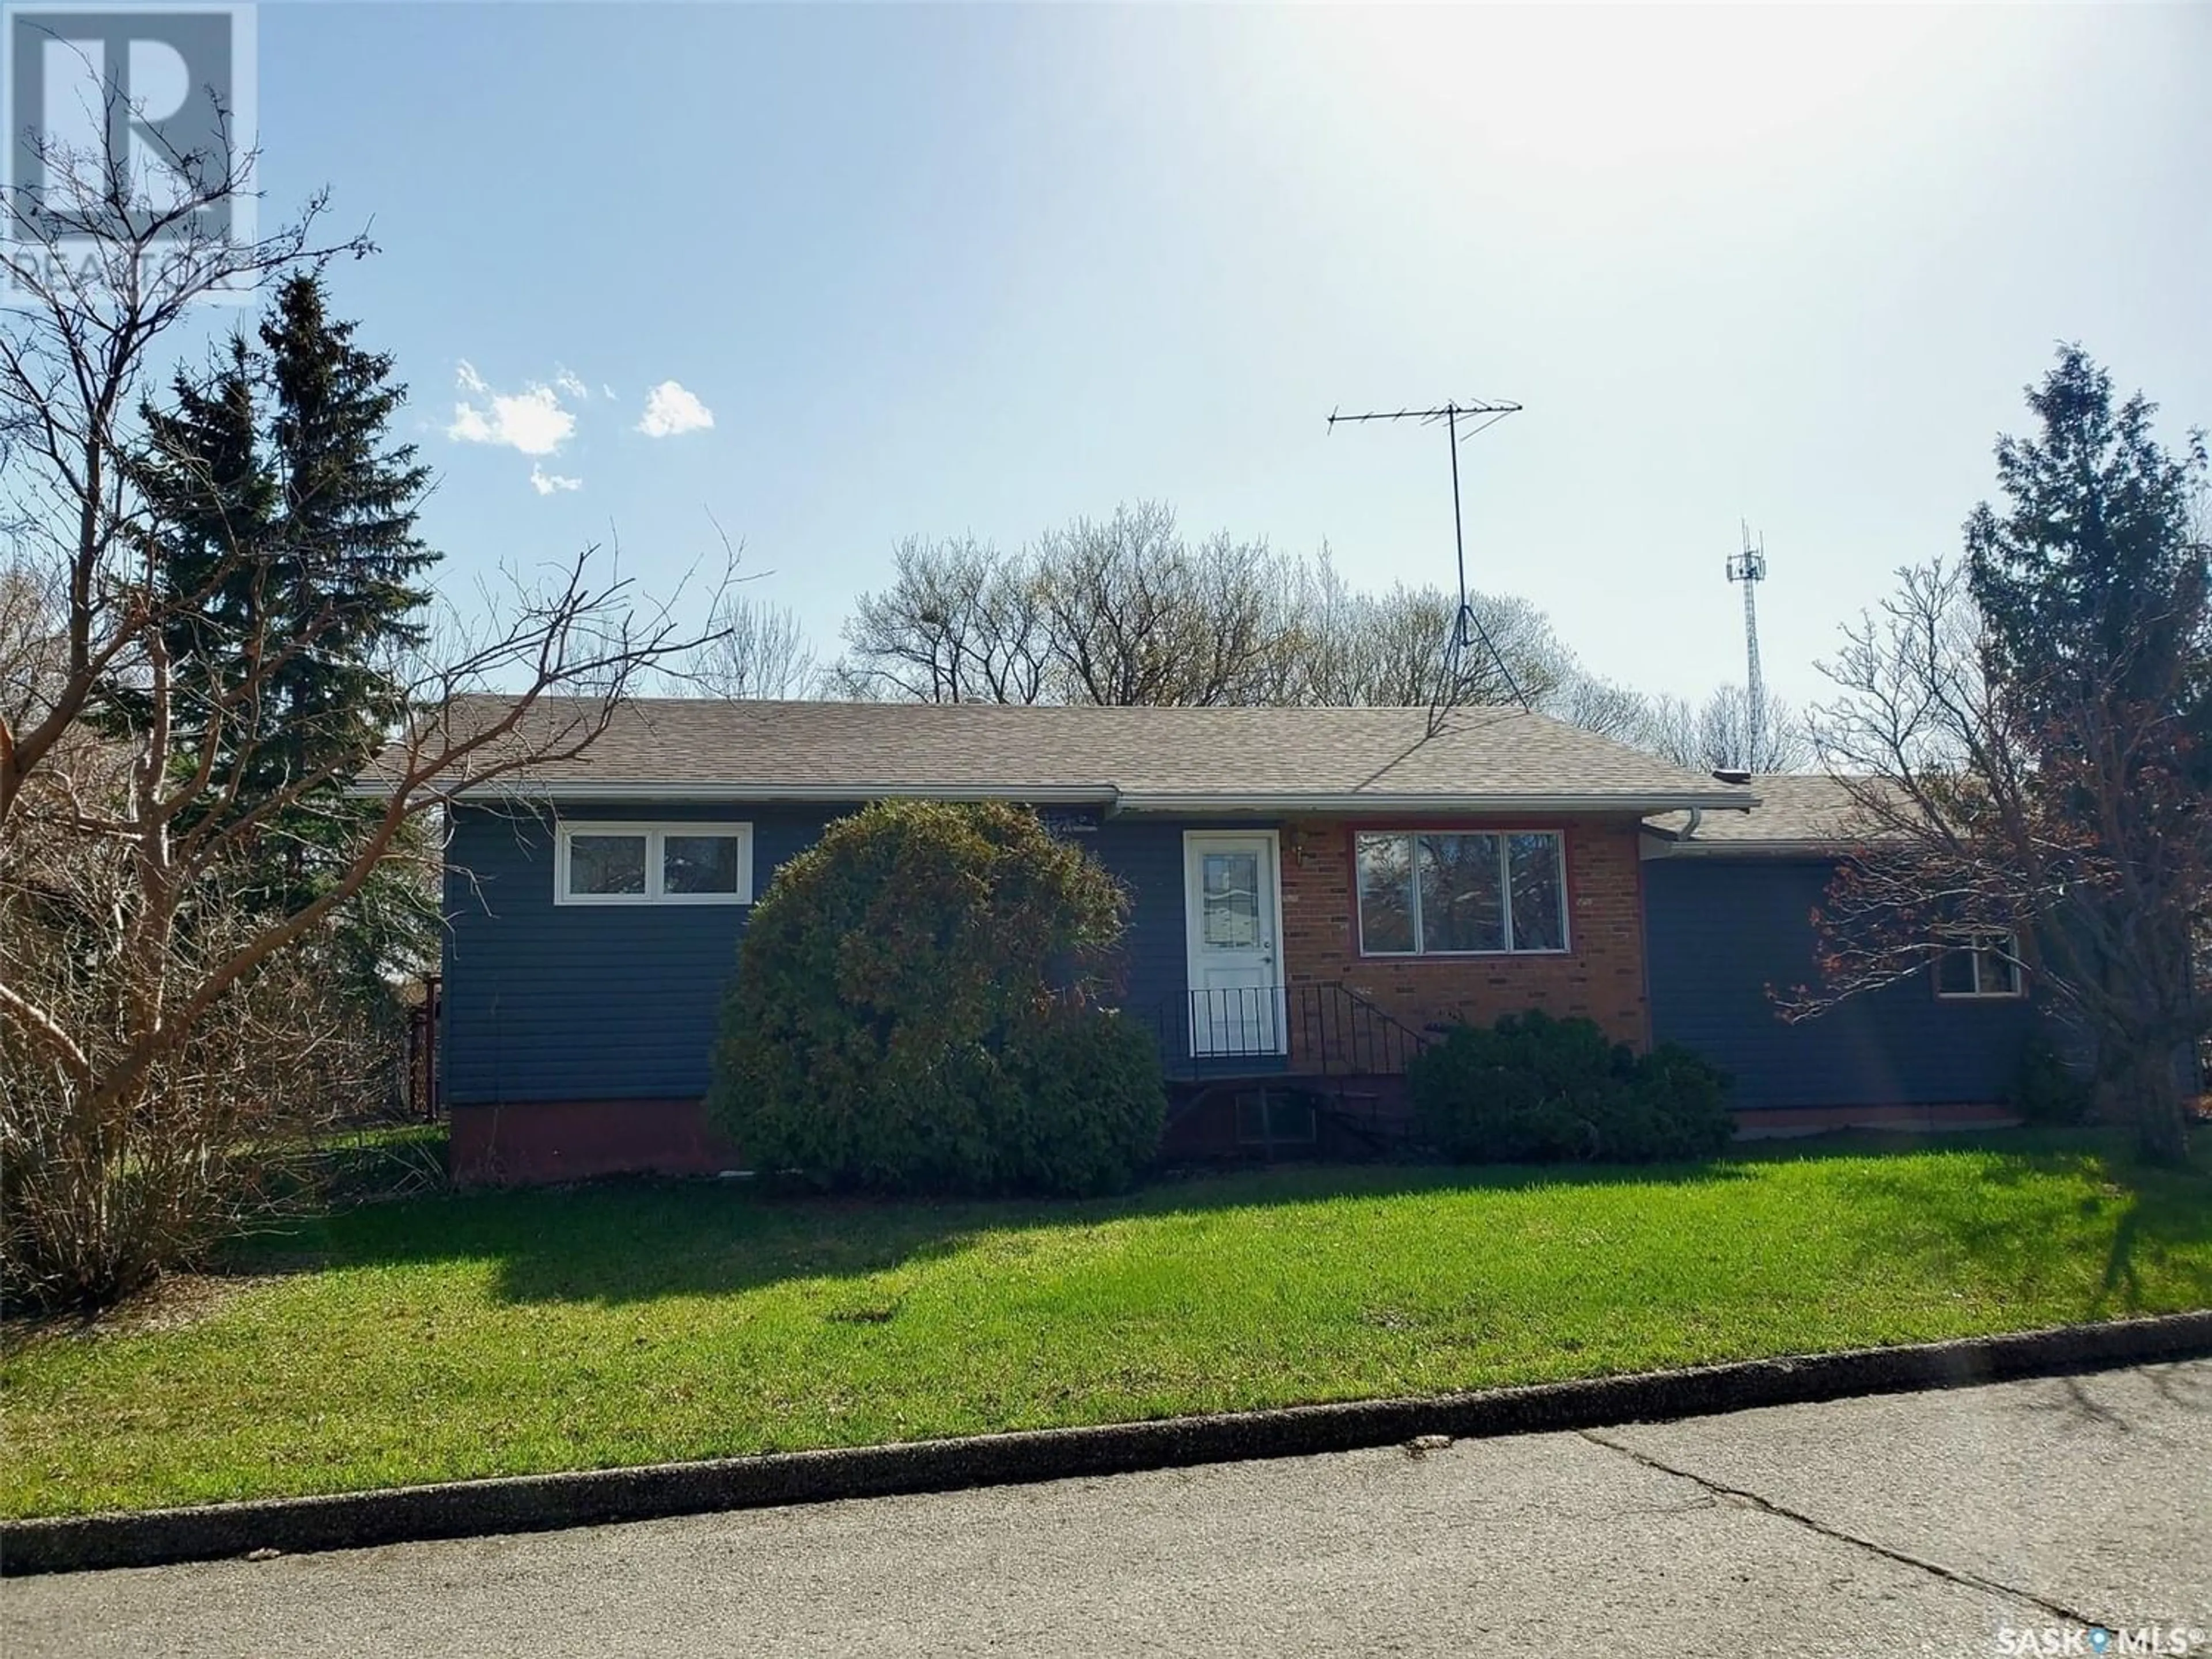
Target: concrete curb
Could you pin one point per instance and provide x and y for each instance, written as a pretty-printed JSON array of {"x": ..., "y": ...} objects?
[{"x": 541, "y": 1503}]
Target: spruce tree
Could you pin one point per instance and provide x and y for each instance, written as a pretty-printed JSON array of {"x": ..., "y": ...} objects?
[
  {"x": 203, "y": 473},
  {"x": 347, "y": 562},
  {"x": 2091, "y": 580},
  {"x": 2095, "y": 598},
  {"x": 284, "y": 519}
]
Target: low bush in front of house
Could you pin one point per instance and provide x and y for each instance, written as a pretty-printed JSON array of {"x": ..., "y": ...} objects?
[
  {"x": 1536, "y": 1090},
  {"x": 1086, "y": 1109},
  {"x": 2046, "y": 1088},
  {"x": 917, "y": 1009}
]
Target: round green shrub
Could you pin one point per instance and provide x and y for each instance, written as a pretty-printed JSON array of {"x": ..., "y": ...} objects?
[
  {"x": 1683, "y": 1099},
  {"x": 917, "y": 1009},
  {"x": 1533, "y": 1089},
  {"x": 1088, "y": 1107}
]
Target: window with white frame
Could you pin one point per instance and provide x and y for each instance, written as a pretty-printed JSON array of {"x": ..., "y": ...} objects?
[
  {"x": 1426, "y": 893},
  {"x": 1984, "y": 965},
  {"x": 653, "y": 863}
]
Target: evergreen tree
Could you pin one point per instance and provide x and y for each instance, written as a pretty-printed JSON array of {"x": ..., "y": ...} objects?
[
  {"x": 283, "y": 534},
  {"x": 2090, "y": 583},
  {"x": 213, "y": 499},
  {"x": 2093, "y": 591},
  {"x": 346, "y": 560}
]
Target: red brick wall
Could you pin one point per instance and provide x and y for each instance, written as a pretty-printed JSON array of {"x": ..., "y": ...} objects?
[{"x": 1600, "y": 974}]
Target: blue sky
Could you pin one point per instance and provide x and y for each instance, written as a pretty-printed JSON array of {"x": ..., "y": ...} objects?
[{"x": 941, "y": 270}]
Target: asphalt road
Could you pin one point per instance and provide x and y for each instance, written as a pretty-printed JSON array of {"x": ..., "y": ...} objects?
[{"x": 1957, "y": 1523}]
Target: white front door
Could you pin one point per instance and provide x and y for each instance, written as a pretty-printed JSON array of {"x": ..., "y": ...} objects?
[{"x": 1230, "y": 903}]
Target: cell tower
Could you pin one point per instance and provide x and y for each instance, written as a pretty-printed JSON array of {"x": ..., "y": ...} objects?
[{"x": 1749, "y": 567}]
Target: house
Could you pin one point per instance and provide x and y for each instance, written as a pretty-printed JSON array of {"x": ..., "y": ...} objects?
[
  {"x": 1311, "y": 888},
  {"x": 1728, "y": 905}
]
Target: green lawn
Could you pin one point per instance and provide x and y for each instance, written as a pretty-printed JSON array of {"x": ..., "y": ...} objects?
[{"x": 442, "y": 1337}]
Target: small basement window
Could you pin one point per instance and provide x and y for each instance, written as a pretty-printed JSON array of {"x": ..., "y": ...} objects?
[
  {"x": 1274, "y": 1117},
  {"x": 1988, "y": 966},
  {"x": 653, "y": 863}
]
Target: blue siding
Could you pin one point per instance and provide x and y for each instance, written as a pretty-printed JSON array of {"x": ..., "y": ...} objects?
[
  {"x": 1146, "y": 855},
  {"x": 1720, "y": 932},
  {"x": 547, "y": 1001},
  {"x": 621, "y": 1002}
]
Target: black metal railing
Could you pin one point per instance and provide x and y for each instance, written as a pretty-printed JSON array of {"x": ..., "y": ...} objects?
[{"x": 1324, "y": 1029}]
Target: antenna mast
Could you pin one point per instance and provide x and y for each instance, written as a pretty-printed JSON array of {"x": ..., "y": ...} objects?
[
  {"x": 1749, "y": 567},
  {"x": 1467, "y": 627}
]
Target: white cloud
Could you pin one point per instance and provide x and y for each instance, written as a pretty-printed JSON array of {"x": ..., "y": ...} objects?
[
  {"x": 566, "y": 382},
  {"x": 546, "y": 482},
  {"x": 531, "y": 421},
  {"x": 465, "y": 375},
  {"x": 670, "y": 411}
]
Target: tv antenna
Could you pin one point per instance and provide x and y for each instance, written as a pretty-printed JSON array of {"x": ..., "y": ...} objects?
[
  {"x": 1749, "y": 567},
  {"x": 1466, "y": 628}
]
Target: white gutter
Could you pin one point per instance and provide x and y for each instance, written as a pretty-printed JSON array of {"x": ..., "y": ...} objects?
[
  {"x": 1359, "y": 803},
  {"x": 496, "y": 789},
  {"x": 1342, "y": 803}
]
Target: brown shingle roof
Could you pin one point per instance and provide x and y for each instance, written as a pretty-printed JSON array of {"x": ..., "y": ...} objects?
[
  {"x": 1809, "y": 811},
  {"x": 1495, "y": 759}
]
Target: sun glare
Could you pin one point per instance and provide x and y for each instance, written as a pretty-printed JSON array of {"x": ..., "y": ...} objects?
[{"x": 1588, "y": 89}]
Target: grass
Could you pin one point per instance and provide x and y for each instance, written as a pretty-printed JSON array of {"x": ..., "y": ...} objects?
[
  {"x": 454, "y": 1336},
  {"x": 382, "y": 1160}
]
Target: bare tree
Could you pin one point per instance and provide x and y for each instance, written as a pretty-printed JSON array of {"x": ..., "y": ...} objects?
[
  {"x": 1117, "y": 612},
  {"x": 33, "y": 645},
  {"x": 961, "y": 622},
  {"x": 1388, "y": 649},
  {"x": 1138, "y": 616},
  {"x": 1608, "y": 709},
  {"x": 1125, "y": 611},
  {"x": 1711, "y": 736},
  {"x": 1970, "y": 841},
  {"x": 759, "y": 650},
  {"x": 1716, "y": 735},
  {"x": 1728, "y": 739},
  {"x": 137, "y": 998}
]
